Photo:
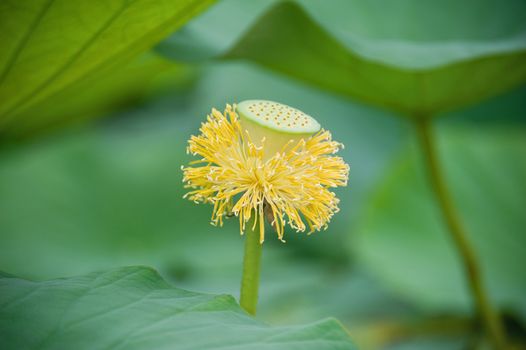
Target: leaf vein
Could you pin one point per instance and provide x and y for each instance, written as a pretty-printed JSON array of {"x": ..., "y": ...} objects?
[{"x": 23, "y": 42}]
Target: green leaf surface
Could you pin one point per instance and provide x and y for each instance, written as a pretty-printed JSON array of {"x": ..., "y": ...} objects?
[
  {"x": 397, "y": 55},
  {"x": 96, "y": 96},
  {"x": 402, "y": 237},
  {"x": 46, "y": 46},
  {"x": 134, "y": 308}
]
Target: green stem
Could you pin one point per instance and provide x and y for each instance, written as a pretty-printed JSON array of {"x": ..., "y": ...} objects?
[
  {"x": 486, "y": 312},
  {"x": 251, "y": 262}
]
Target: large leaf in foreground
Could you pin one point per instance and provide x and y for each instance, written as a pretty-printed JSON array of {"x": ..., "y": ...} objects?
[
  {"x": 415, "y": 57},
  {"x": 403, "y": 237},
  {"x": 134, "y": 308},
  {"x": 46, "y": 46}
]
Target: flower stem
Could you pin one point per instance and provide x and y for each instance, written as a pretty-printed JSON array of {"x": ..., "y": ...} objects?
[
  {"x": 251, "y": 262},
  {"x": 486, "y": 312}
]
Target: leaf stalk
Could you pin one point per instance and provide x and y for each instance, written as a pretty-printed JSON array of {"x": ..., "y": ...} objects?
[{"x": 489, "y": 317}]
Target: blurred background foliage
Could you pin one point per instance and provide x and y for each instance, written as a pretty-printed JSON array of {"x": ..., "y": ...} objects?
[{"x": 90, "y": 159}]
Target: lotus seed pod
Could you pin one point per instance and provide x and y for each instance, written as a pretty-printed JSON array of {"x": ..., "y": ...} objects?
[{"x": 274, "y": 122}]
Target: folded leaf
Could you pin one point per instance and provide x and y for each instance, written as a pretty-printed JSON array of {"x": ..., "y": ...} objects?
[{"x": 418, "y": 58}]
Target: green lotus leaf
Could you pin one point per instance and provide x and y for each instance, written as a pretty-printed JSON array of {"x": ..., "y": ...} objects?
[{"x": 134, "y": 308}]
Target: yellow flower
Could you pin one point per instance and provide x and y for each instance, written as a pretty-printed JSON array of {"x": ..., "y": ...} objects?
[{"x": 269, "y": 164}]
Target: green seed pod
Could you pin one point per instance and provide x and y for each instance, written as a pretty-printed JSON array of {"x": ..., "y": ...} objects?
[{"x": 276, "y": 123}]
